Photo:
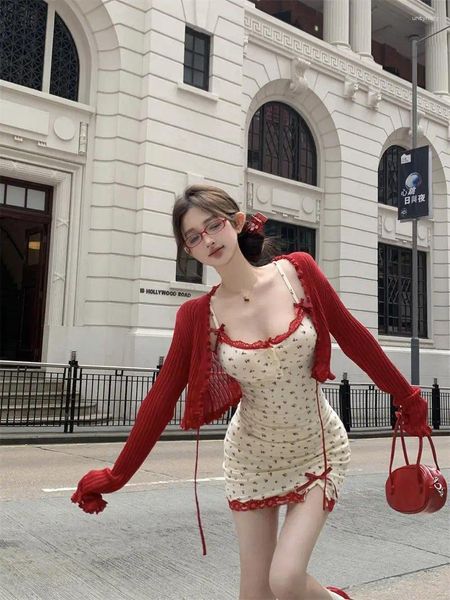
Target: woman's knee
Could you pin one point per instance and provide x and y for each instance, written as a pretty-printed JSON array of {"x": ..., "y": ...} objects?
[{"x": 287, "y": 582}]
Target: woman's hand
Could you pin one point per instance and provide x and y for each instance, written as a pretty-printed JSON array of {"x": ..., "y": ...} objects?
[
  {"x": 414, "y": 414},
  {"x": 91, "y": 487}
]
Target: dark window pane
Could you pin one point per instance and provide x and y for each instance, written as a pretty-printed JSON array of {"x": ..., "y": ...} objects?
[
  {"x": 189, "y": 41},
  {"x": 200, "y": 45},
  {"x": 191, "y": 271},
  {"x": 188, "y": 58},
  {"x": 188, "y": 74},
  {"x": 22, "y": 41},
  {"x": 65, "y": 64},
  {"x": 199, "y": 62},
  {"x": 196, "y": 59},
  {"x": 198, "y": 79},
  {"x": 291, "y": 238}
]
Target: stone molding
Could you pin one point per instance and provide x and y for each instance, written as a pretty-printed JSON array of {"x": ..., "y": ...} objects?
[{"x": 279, "y": 38}]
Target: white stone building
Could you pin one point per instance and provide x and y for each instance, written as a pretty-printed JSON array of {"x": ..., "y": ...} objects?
[{"x": 109, "y": 108}]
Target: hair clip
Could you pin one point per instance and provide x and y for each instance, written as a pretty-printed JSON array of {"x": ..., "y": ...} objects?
[{"x": 256, "y": 223}]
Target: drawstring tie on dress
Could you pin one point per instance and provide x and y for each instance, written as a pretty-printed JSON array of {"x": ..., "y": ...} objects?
[
  {"x": 196, "y": 496},
  {"x": 313, "y": 477}
]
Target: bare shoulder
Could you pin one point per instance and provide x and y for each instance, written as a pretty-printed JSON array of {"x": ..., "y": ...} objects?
[{"x": 291, "y": 273}]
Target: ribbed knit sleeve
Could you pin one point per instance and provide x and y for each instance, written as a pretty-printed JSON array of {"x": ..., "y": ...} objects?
[
  {"x": 360, "y": 345},
  {"x": 153, "y": 416}
]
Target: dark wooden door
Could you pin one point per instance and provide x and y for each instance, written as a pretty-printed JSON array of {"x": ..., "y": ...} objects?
[{"x": 32, "y": 301}]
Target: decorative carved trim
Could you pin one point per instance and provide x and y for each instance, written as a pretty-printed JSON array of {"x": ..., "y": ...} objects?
[
  {"x": 82, "y": 140},
  {"x": 350, "y": 89},
  {"x": 299, "y": 83},
  {"x": 60, "y": 222},
  {"x": 260, "y": 29},
  {"x": 374, "y": 99},
  {"x": 245, "y": 48},
  {"x": 20, "y": 170}
]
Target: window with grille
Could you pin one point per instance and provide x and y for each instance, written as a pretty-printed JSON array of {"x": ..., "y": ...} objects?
[
  {"x": 280, "y": 142},
  {"x": 395, "y": 291},
  {"x": 196, "y": 58},
  {"x": 291, "y": 238},
  {"x": 388, "y": 176},
  {"x": 65, "y": 63},
  {"x": 24, "y": 51}
]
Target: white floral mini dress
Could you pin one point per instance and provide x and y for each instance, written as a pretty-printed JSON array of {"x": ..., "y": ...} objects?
[{"x": 284, "y": 438}]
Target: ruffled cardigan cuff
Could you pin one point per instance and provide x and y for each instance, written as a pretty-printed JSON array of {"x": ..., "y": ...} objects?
[
  {"x": 413, "y": 410},
  {"x": 89, "y": 492}
]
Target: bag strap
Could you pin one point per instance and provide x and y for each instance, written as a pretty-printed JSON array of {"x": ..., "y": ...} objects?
[{"x": 399, "y": 428}]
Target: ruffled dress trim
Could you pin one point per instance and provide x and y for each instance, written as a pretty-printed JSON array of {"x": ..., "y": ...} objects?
[
  {"x": 296, "y": 496},
  {"x": 269, "y": 342},
  {"x": 300, "y": 307}
]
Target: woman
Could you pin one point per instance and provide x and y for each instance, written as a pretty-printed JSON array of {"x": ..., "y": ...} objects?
[{"x": 260, "y": 340}]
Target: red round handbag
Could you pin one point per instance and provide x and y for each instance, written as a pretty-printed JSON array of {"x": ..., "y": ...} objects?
[{"x": 415, "y": 488}]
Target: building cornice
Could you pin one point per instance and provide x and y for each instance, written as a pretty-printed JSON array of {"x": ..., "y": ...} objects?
[{"x": 266, "y": 31}]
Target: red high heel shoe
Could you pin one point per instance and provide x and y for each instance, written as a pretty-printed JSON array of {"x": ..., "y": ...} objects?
[{"x": 339, "y": 592}]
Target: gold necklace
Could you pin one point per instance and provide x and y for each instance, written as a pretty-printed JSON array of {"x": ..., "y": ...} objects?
[{"x": 246, "y": 293}]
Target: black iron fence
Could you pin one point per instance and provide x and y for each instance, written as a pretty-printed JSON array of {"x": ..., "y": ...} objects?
[{"x": 75, "y": 396}]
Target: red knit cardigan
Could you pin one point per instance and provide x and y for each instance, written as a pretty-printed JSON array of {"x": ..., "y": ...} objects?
[{"x": 211, "y": 392}]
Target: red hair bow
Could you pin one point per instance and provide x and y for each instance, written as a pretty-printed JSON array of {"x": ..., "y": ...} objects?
[{"x": 256, "y": 223}]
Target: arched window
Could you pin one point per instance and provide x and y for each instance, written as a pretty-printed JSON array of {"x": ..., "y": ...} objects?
[
  {"x": 280, "y": 142},
  {"x": 65, "y": 63},
  {"x": 388, "y": 176},
  {"x": 25, "y": 52}
]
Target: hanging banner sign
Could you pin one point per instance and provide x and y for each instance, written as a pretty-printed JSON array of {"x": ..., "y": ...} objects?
[{"x": 414, "y": 184}]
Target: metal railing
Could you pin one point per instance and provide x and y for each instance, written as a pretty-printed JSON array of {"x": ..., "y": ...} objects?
[{"x": 73, "y": 395}]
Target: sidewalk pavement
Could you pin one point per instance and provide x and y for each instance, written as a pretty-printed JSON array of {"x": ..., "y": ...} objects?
[
  {"x": 146, "y": 545},
  {"x": 54, "y": 435}
]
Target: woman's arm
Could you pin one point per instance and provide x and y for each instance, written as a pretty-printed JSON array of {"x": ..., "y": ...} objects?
[
  {"x": 153, "y": 416},
  {"x": 360, "y": 345}
]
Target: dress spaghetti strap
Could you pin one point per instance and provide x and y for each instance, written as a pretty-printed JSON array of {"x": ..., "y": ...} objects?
[{"x": 286, "y": 281}]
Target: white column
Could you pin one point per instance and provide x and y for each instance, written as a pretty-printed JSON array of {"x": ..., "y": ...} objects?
[
  {"x": 436, "y": 52},
  {"x": 361, "y": 28},
  {"x": 335, "y": 22}
]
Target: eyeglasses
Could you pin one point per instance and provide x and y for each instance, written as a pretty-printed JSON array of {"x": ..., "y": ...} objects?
[{"x": 213, "y": 227}]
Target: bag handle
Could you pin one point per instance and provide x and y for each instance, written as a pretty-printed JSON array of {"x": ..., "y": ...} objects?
[{"x": 399, "y": 427}]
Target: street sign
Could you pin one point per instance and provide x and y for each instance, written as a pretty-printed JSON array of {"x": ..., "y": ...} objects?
[{"x": 414, "y": 184}]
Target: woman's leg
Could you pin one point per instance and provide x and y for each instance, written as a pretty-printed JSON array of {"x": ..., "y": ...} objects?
[
  {"x": 302, "y": 526},
  {"x": 257, "y": 534}
]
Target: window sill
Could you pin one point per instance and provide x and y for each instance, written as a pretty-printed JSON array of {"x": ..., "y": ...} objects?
[
  {"x": 15, "y": 87},
  {"x": 283, "y": 180},
  {"x": 186, "y": 285},
  {"x": 403, "y": 342},
  {"x": 197, "y": 91},
  {"x": 393, "y": 209}
]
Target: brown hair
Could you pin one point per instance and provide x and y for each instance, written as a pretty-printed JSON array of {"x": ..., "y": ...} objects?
[{"x": 256, "y": 248}]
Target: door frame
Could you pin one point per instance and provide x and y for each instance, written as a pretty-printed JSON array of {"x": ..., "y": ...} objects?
[{"x": 41, "y": 219}]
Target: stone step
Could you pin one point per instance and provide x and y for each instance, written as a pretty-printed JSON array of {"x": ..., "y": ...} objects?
[
  {"x": 50, "y": 409},
  {"x": 39, "y": 400},
  {"x": 14, "y": 386},
  {"x": 45, "y": 420}
]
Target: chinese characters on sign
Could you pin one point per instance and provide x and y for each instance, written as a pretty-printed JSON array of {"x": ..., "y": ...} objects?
[{"x": 414, "y": 184}]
